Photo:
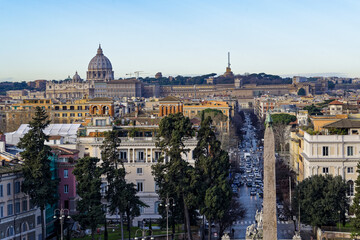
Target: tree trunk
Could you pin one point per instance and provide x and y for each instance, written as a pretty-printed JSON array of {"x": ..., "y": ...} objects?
[
  {"x": 187, "y": 218},
  {"x": 93, "y": 230},
  {"x": 209, "y": 232},
  {"x": 203, "y": 228},
  {"x": 42, "y": 216},
  {"x": 122, "y": 226},
  {"x": 173, "y": 226},
  {"x": 128, "y": 226},
  {"x": 106, "y": 231}
]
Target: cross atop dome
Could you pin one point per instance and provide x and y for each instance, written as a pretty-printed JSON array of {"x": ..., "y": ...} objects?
[{"x": 99, "y": 51}]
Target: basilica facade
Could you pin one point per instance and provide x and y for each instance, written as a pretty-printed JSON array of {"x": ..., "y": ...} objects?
[{"x": 99, "y": 71}]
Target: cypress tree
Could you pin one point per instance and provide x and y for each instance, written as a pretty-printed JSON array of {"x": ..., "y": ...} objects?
[{"x": 38, "y": 182}]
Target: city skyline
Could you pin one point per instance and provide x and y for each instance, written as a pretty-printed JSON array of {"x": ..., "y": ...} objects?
[{"x": 53, "y": 40}]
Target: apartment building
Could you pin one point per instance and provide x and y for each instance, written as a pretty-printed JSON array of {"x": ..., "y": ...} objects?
[
  {"x": 336, "y": 151},
  {"x": 138, "y": 152},
  {"x": 19, "y": 219}
]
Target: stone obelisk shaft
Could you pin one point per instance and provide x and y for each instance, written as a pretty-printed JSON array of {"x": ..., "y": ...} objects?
[{"x": 269, "y": 202}]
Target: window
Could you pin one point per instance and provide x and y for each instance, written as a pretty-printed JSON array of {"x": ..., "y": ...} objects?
[
  {"x": 38, "y": 220},
  {"x": 72, "y": 114},
  {"x": 10, "y": 231},
  {"x": 64, "y": 115},
  {"x": 156, "y": 207},
  {"x": 66, "y": 173},
  {"x": 17, "y": 187},
  {"x": 350, "y": 150},
  {"x": 103, "y": 188},
  {"x": 123, "y": 155},
  {"x": 66, "y": 188},
  {"x": 157, "y": 156},
  {"x": 140, "y": 156},
  {"x": 9, "y": 189},
  {"x": 325, "y": 151},
  {"x": 140, "y": 187},
  {"x": 79, "y": 108},
  {"x": 17, "y": 207},
  {"x": 1, "y": 191},
  {"x": 100, "y": 122},
  {"x": 24, "y": 227},
  {"x": 79, "y": 114},
  {"x": 57, "y": 114},
  {"x": 350, "y": 170},
  {"x": 139, "y": 171},
  {"x": 1, "y": 211},
  {"x": 24, "y": 205},
  {"x": 350, "y": 190},
  {"x": 9, "y": 209},
  {"x": 325, "y": 170}
]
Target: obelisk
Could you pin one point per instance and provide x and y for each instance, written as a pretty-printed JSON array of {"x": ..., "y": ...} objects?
[{"x": 269, "y": 201}]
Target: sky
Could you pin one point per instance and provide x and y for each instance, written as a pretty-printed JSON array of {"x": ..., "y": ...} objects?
[{"x": 53, "y": 39}]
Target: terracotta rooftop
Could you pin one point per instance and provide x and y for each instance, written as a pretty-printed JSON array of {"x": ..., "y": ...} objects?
[
  {"x": 335, "y": 102},
  {"x": 64, "y": 151}
]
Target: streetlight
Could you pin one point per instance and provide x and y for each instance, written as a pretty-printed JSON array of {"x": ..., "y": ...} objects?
[
  {"x": 62, "y": 217},
  {"x": 143, "y": 231},
  {"x": 167, "y": 205}
]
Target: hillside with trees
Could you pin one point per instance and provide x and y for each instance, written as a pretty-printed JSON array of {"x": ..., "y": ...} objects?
[
  {"x": 7, "y": 86},
  {"x": 254, "y": 78}
]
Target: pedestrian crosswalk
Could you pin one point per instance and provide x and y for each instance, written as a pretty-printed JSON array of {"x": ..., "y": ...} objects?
[{"x": 252, "y": 222}]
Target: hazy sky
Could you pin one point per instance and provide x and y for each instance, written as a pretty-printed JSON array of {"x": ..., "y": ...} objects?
[{"x": 52, "y": 39}]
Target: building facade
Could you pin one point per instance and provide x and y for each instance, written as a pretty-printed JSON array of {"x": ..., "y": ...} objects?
[{"x": 18, "y": 217}]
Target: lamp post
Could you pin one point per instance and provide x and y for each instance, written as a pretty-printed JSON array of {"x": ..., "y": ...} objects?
[
  {"x": 167, "y": 205},
  {"x": 143, "y": 231},
  {"x": 62, "y": 217}
]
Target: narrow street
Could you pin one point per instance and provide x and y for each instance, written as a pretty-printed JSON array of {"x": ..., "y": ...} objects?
[{"x": 250, "y": 192}]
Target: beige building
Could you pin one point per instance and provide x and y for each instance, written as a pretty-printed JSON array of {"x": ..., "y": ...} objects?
[
  {"x": 139, "y": 153},
  {"x": 18, "y": 218},
  {"x": 70, "y": 88},
  {"x": 333, "y": 154}
]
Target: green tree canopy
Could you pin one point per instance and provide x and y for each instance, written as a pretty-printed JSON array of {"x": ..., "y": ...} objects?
[
  {"x": 313, "y": 110},
  {"x": 88, "y": 177},
  {"x": 320, "y": 198},
  {"x": 355, "y": 207},
  {"x": 212, "y": 171},
  {"x": 38, "y": 181},
  {"x": 173, "y": 175},
  {"x": 301, "y": 92},
  {"x": 283, "y": 118}
]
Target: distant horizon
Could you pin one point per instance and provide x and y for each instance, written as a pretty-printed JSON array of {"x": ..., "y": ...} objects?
[
  {"x": 53, "y": 39},
  {"x": 307, "y": 75}
]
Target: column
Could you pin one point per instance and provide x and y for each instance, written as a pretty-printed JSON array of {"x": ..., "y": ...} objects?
[
  {"x": 133, "y": 154},
  {"x": 151, "y": 155},
  {"x": 146, "y": 155},
  {"x": 128, "y": 155}
]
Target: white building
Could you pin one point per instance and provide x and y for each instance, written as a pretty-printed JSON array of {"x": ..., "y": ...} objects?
[
  {"x": 332, "y": 154},
  {"x": 138, "y": 155}
]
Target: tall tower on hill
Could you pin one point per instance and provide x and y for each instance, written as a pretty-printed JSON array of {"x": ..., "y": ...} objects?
[{"x": 228, "y": 72}]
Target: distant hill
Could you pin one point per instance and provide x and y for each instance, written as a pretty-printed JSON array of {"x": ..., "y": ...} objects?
[
  {"x": 254, "y": 78},
  {"x": 264, "y": 79},
  {"x": 7, "y": 86}
]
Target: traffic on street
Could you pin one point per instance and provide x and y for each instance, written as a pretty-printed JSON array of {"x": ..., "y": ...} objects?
[{"x": 248, "y": 184}]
